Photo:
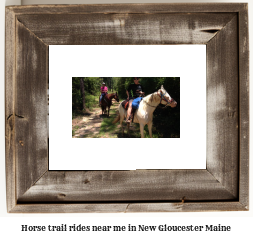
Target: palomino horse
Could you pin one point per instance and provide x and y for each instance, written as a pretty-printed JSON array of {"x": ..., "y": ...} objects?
[
  {"x": 107, "y": 102},
  {"x": 144, "y": 114}
]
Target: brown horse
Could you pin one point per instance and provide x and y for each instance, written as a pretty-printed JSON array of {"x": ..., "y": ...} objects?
[{"x": 107, "y": 102}]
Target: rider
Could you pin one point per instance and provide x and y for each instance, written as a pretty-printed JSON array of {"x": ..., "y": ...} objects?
[
  {"x": 103, "y": 91},
  {"x": 137, "y": 90}
]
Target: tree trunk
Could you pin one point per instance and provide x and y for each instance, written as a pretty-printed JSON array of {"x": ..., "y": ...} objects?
[{"x": 82, "y": 92}]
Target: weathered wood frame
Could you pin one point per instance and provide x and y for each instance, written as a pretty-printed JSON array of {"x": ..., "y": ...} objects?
[{"x": 222, "y": 186}]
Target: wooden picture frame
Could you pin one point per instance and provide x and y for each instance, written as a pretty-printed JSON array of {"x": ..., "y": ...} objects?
[{"x": 222, "y": 186}]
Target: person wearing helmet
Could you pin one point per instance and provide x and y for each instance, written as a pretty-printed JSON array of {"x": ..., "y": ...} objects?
[{"x": 103, "y": 91}]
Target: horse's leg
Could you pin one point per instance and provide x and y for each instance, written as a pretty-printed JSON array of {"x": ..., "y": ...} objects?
[
  {"x": 122, "y": 128},
  {"x": 128, "y": 132},
  {"x": 150, "y": 128},
  {"x": 108, "y": 110},
  {"x": 142, "y": 130},
  {"x": 121, "y": 120}
]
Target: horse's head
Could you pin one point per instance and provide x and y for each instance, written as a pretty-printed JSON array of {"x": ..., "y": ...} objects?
[
  {"x": 116, "y": 97},
  {"x": 166, "y": 99}
]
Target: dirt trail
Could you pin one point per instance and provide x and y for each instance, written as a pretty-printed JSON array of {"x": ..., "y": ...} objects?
[{"x": 89, "y": 125}]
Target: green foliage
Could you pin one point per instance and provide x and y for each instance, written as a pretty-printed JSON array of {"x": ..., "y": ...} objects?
[
  {"x": 122, "y": 84},
  {"x": 76, "y": 94},
  {"x": 92, "y": 90},
  {"x": 74, "y": 130},
  {"x": 107, "y": 126},
  {"x": 91, "y": 101}
]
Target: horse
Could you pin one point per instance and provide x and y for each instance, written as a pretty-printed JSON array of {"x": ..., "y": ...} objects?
[
  {"x": 107, "y": 101},
  {"x": 147, "y": 106}
]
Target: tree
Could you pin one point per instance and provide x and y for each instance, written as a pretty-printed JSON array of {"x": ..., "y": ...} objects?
[{"x": 82, "y": 92}]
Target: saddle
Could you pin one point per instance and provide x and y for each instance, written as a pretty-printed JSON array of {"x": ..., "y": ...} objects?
[{"x": 125, "y": 105}]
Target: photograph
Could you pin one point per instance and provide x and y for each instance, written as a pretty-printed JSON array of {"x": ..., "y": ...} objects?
[
  {"x": 178, "y": 72},
  {"x": 126, "y": 107}
]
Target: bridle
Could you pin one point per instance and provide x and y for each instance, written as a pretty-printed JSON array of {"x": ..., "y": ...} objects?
[
  {"x": 162, "y": 98},
  {"x": 114, "y": 96}
]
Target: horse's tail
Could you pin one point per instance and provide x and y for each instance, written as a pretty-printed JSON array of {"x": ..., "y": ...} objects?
[{"x": 116, "y": 119}]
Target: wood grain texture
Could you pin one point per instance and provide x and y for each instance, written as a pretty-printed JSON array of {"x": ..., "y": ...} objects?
[
  {"x": 133, "y": 29},
  {"x": 30, "y": 109},
  {"x": 139, "y": 185},
  {"x": 222, "y": 107},
  {"x": 9, "y": 108},
  {"x": 244, "y": 106},
  {"x": 129, "y": 8},
  {"x": 129, "y": 207},
  {"x": 186, "y": 207}
]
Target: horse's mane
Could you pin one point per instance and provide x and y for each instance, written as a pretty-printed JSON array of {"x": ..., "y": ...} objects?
[
  {"x": 110, "y": 94},
  {"x": 150, "y": 98}
]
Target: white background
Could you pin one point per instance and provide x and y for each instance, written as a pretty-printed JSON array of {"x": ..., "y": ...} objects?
[
  {"x": 185, "y": 61},
  {"x": 241, "y": 222}
]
